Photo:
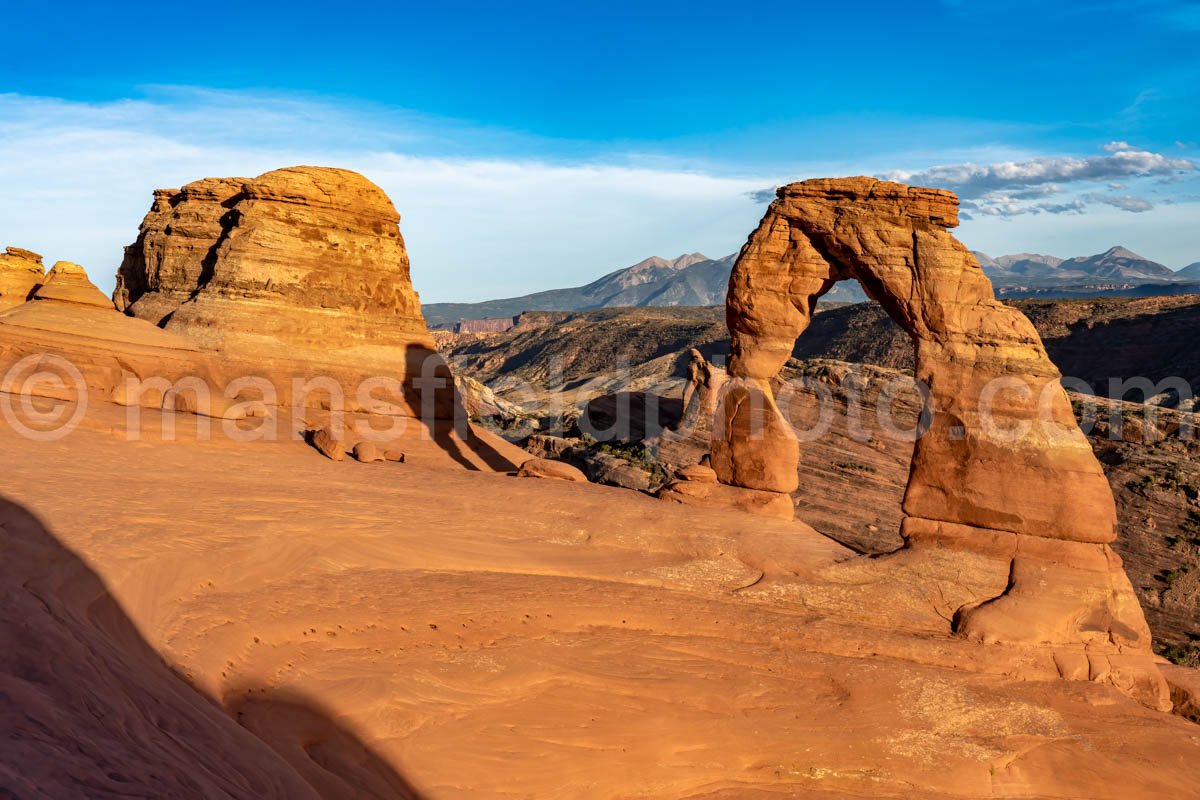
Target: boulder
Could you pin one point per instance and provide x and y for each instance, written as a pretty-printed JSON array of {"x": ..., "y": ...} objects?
[
  {"x": 207, "y": 404},
  {"x": 614, "y": 471},
  {"x": 1185, "y": 690},
  {"x": 697, "y": 473},
  {"x": 394, "y": 456},
  {"x": 554, "y": 470},
  {"x": 543, "y": 445},
  {"x": 21, "y": 273},
  {"x": 368, "y": 453},
  {"x": 328, "y": 444}
]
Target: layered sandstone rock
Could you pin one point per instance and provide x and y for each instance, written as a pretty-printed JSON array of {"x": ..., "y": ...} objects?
[
  {"x": 69, "y": 283},
  {"x": 300, "y": 273},
  {"x": 21, "y": 273},
  {"x": 70, "y": 343},
  {"x": 329, "y": 444},
  {"x": 1003, "y": 467},
  {"x": 697, "y": 472},
  {"x": 711, "y": 494},
  {"x": 172, "y": 256},
  {"x": 553, "y": 470}
]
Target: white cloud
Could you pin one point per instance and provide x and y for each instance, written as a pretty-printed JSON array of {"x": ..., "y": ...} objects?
[
  {"x": 1054, "y": 184},
  {"x": 483, "y": 218},
  {"x": 977, "y": 180}
]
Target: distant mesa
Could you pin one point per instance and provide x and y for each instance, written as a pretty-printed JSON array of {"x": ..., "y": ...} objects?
[{"x": 486, "y": 325}]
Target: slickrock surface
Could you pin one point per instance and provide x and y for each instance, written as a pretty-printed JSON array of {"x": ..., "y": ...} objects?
[
  {"x": 21, "y": 272},
  {"x": 72, "y": 332},
  {"x": 447, "y": 633},
  {"x": 299, "y": 272},
  {"x": 1021, "y": 487}
]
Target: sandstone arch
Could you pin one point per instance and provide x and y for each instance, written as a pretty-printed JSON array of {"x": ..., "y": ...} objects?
[{"x": 1023, "y": 487}]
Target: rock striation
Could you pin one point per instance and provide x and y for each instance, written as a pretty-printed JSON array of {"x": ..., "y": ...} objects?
[
  {"x": 552, "y": 470},
  {"x": 301, "y": 272},
  {"x": 1003, "y": 469},
  {"x": 70, "y": 343},
  {"x": 21, "y": 273},
  {"x": 69, "y": 283}
]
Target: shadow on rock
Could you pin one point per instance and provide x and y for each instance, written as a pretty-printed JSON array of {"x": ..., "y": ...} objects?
[{"x": 90, "y": 709}]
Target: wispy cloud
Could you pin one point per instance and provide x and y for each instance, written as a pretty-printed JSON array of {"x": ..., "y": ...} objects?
[
  {"x": 78, "y": 178},
  {"x": 481, "y": 216},
  {"x": 1126, "y": 202},
  {"x": 763, "y": 195}
]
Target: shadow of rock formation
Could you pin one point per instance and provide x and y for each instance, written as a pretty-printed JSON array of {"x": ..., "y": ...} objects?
[{"x": 90, "y": 709}]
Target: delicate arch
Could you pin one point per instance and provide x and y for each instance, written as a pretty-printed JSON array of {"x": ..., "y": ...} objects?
[
  {"x": 1003, "y": 470},
  {"x": 974, "y": 467}
]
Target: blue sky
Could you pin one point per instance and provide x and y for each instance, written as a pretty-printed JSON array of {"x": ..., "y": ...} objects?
[{"x": 534, "y": 145}]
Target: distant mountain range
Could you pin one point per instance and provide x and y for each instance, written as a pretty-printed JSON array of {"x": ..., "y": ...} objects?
[
  {"x": 1190, "y": 272},
  {"x": 1114, "y": 265},
  {"x": 694, "y": 279},
  {"x": 691, "y": 279}
]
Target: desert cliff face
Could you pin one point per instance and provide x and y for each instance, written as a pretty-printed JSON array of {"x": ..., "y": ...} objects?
[
  {"x": 308, "y": 257},
  {"x": 298, "y": 273},
  {"x": 279, "y": 290},
  {"x": 442, "y": 616}
]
